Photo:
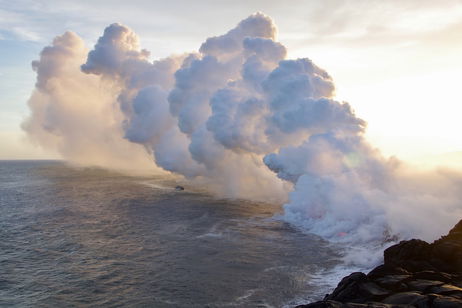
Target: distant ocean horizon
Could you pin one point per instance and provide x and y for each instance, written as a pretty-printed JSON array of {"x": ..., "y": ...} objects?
[{"x": 88, "y": 237}]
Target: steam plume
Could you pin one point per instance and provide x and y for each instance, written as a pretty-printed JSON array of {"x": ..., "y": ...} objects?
[
  {"x": 73, "y": 113},
  {"x": 240, "y": 118}
]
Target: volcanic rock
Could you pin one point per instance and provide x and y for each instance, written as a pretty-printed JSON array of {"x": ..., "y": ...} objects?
[{"x": 415, "y": 274}]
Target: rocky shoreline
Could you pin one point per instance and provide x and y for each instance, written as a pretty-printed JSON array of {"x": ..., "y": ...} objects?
[{"x": 414, "y": 274}]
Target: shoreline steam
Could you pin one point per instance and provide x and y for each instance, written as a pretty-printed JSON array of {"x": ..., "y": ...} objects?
[{"x": 240, "y": 118}]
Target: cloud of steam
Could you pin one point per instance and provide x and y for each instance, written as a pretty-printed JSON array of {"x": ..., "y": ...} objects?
[
  {"x": 240, "y": 118},
  {"x": 73, "y": 113}
]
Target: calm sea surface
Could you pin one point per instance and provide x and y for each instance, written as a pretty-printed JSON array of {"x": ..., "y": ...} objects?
[{"x": 92, "y": 238}]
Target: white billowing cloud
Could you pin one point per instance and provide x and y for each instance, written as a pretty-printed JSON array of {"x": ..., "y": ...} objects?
[
  {"x": 255, "y": 26},
  {"x": 149, "y": 118},
  {"x": 334, "y": 176},
  {"x": 347, "y": 192},
  {"x": 143, "y": 91},
  {"x": 114, "y": 50},
  {"x": 72, "y": 112},
  {"x": 242, "y": 120}
]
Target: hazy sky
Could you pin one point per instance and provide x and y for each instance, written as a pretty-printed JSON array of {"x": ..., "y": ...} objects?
[{"x": 397, "y": 63}]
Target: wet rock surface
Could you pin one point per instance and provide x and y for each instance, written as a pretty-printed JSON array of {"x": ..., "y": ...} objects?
[{"x": 414, "y": 274}]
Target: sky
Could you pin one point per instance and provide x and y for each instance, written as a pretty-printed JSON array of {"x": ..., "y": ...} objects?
[{"x": 396, "y": 62}]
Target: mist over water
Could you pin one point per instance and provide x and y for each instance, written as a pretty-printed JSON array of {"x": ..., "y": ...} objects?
[
  {"x": 88, "y": 237},
  {"x": 242, "y": 121}
]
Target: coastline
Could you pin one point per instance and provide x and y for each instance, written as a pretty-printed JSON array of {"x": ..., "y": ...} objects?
[{"x": 414, "y": 274}]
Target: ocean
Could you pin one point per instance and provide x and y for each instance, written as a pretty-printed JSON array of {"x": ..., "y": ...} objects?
[{"x": 87, "y": 237}]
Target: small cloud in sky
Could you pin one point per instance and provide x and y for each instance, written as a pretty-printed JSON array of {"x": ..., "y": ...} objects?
[{"x": 25, "y": 34}]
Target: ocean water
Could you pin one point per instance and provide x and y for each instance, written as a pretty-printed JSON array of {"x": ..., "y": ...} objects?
[{"x": 74, "y": 237}]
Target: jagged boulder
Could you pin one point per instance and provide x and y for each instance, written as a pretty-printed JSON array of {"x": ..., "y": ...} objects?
[
  {"x": 412, "y": 255},
  {"x": 357, "y": 288}
]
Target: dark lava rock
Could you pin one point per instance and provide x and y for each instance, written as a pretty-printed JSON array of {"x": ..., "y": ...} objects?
[
  {"x": 431, "y": 275},
  {"x": 357, "y": 288},
  {"x": 393, "y": 282},
  {"x": 404, "y": 298},
  {"x": 335, "y": 304},
  {"x": 423, "y": 285},
  {"x": 446, "y": 302},
  {"x": 446, "y": 289},
  {"x": 412, "y": 255},
  {"x": 415, "y": 274},
  {"x": 386, "y": 270}
]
